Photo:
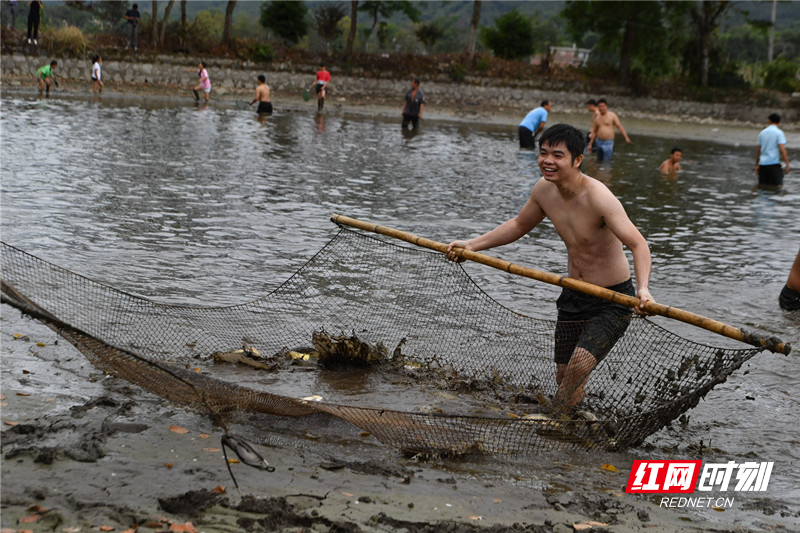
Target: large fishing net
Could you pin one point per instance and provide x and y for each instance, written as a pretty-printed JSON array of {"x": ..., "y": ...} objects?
[{"x": 394, "y": 339}]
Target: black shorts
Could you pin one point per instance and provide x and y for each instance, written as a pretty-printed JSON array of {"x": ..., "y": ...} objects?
[
  {"x": 526, "y": 138},
  {"x": 770, "y": 175},
  {"x": 589, "y": 322},
  {"x": 318, "y": 87},
  {"x": 789, "y": 299},
  {"x": 264, "y": 108}
]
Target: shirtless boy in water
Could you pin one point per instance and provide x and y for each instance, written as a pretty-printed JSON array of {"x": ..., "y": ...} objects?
[
  {"x": 603, "y": 131},
  {"x": 673, "y": 164},
  {"x": 262, "y": 97},
  {"x": 594, "y": 226}
]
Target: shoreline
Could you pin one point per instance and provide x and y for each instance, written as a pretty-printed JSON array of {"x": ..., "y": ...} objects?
[{"x": 723, "y": 131}]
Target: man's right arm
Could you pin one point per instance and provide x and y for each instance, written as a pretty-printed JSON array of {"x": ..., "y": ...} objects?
[
  {"x": 758, "y": 156},
  {"x": 509, "y": 231}
]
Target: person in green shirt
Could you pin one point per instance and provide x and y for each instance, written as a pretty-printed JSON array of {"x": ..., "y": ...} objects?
[{"x": 45, "y": 74}]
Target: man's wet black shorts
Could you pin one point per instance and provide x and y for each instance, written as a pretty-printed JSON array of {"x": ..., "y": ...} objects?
[{"x": 590, "y": 322}]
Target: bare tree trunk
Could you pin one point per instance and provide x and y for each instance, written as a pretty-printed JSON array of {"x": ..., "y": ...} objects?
[
  {"x": 351, "y": 36},
  {"x": 227, "y": 34},
  {"x": 626, "y": 53},
  {"x": 183, "y": 25},
  {"x": 771, "y": 49},
  {"x": 473, "y": 28},
  {"x": 165, "y": 21},
  {"x": 154, "y": 26}
]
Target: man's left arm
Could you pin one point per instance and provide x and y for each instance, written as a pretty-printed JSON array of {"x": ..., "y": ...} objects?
[
  {"x": 621, "y": 129},
  {"x": 621, "y": 226},
  {"x": 782, "y": 148}
]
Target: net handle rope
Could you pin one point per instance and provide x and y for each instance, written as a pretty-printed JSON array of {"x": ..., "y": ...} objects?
[{"x": 772, "y": 343}]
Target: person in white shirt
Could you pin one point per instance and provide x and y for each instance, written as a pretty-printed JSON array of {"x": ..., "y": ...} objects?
[{"x": 97, "y": 77}]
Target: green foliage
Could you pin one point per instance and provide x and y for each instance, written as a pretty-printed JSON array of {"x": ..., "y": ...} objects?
[
  {"x": 482, "y": 65},
  {"x": 262, "y": 53},
  {"x": 458, "y": 73},
  {"x": 429, "y": 33},
  {"x": 781, "y": 75},
  {"x": 326, "y": 21},
  {"x": 511, "y": 37},
  {"x": 205, "y": 31},
  {"x": 286, "y": 18}
]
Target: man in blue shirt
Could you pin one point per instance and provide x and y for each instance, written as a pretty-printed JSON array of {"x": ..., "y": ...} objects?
[
  {"x": 771, "y": 146},
  {"x": 532, "y": 124}
]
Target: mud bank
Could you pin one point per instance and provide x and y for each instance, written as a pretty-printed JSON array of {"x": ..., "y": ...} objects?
[
  {"x": 83, "y": 451},
  {"x": 475, "y": 96}
]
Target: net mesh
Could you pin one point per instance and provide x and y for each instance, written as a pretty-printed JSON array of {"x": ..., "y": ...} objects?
[{"x": 473, "y": 375}]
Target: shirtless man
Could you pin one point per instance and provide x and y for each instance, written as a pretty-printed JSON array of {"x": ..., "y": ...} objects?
[
  {"x": 262, "y": 97},
  {"x": 673, "y": 164},
  {"x": 603, "y": 131},
  {"x": 594, "y": 226}
]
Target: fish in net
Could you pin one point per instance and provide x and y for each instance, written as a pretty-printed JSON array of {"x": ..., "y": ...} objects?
[{"x": 409, "y": 316}]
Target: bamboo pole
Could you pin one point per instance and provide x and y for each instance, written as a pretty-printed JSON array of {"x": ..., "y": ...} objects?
[{"x": 772, "y": 344}]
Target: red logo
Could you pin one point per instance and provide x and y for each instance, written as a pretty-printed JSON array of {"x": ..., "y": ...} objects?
[{"x": 663, "y": 477}]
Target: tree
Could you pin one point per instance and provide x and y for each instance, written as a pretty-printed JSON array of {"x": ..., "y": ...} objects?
[
  {"x": 227, "y": 34},
  {"x": 109, "y": 13},
  {"x": 326, "y": 21},
  {"x": 473, "y": 27},
  {"x": 165, "y": 21},
  {"x": 705, "y": 17},
  {"x": 286, "y": 18},
  {"x": 511, "y": 37},
  {"x": 429, "y": 34},
  {"x": 385, "y": 9},
  {"x": 183, "y": 26},
  {"x": 641, "y": 37},
  {"x": 351, "y": 35},
  {"x": 156, "y": 36}
]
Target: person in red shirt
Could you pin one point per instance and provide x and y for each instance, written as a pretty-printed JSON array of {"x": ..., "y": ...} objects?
[{"x": 321, "y": 85}]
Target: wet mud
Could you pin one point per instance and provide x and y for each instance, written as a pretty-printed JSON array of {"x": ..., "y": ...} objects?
[{"x": 109, "y": 455}]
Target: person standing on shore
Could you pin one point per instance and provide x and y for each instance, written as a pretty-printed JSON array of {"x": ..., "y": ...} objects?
[
  {"x": 594, "y": 226},
  {"x": 673, "y": 164},
  {"x": 97, "y": 78},
  {"x": 771, "y": 147},
  {"x": 132, "y": 16},
  {"x": 262, "y": 97},
  {"x": 34, "y": 16},
  {"x": 603, "y": 131},
  {"x": 321, "y": 86},
  {"x": 204, "y": 84},
  {"x": 415, "y": 103},
  {"x": 12, "y": 13},
  {"x": 532, "y": 124},
  {"x": 790, "y": 295}
]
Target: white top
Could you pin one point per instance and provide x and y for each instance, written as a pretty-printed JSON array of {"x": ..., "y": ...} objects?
[{"x": 96, "y": 71}]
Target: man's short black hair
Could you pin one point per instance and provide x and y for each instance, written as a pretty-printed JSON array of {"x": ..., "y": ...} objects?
[
  {"x": 591, "y": 101},
  {"x": 675, "y": 149},
  {"x": 135, "y": 6},
  {"x": 573, "y": 138},
  {"x": 602, "y": 101},
  {"x": 54, "y": 63},
  {"x": 416, "y": 80},
  {"x": 262, "y": 78},
  {"x": 544, "y": 103},
  {"x": 775, "y": 118}
]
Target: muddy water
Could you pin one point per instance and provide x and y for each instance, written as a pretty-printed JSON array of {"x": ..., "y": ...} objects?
[{"x": 209, "y": 206}]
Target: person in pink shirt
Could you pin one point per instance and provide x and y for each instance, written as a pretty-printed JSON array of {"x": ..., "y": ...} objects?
[{"x": 204, "y": 84}]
